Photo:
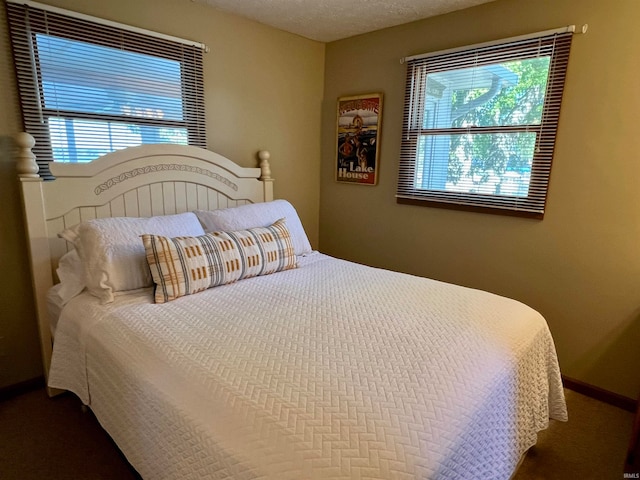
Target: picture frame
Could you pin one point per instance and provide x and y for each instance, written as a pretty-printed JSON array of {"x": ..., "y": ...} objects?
[{"x": 359, "y": 120}]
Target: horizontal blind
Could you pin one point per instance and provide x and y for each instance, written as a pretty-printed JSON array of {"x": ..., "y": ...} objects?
[
  {"x": 555, "y": 46},
  {"x": 95, "y": 88}
]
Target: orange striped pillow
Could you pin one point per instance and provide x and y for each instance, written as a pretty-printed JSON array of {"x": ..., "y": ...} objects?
[{"x": 186, "y": 265}]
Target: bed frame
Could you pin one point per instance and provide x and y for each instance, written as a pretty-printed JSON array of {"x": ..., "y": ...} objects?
[{"x": 135, "y": 182}]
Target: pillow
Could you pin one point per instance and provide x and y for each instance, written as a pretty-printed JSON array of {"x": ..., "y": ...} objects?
[
  {"x": 114, "y": 259},
  {"x": 257, "y": 215},
  {"x": 70, "y": 234},
  {"x": 55, "y": 304},
  {"x": 71, "y": 275},
  {"x": 187, "y": 265}
]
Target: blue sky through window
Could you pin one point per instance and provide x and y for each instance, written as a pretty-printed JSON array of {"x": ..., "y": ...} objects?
[
  {"x": 83, "y": 78},
  {"x": 89, "y": 78}
]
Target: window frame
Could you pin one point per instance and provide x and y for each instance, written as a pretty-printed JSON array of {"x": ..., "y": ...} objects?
[
  {"x": 27, "y": 21},
  {"x": 557, "y": 45}
]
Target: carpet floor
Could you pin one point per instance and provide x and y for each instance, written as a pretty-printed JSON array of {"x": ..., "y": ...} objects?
[{"x": 52, "y": 438}]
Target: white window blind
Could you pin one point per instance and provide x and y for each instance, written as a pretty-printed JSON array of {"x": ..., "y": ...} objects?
[
  {"x": 480, "y": 125},
  {"x": 89, "y": 88}
]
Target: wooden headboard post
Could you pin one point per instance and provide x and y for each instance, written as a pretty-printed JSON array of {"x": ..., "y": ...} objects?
[
  {"x": 265, "y": 174},
  {"x": 38, "y": 241}
]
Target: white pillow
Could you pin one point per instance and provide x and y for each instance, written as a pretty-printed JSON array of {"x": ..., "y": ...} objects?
[
  {"x": 71, "y": 274},
  {"x": 54, "y": 307},
  {"x": 70, "y": 234},
  {"x": 113, "y": 256},
  {"x": 257, "y": 215}
]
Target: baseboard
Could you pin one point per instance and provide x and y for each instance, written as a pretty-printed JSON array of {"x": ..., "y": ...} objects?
[
  {"x": 22, "y": 387},
  {"x": 601, "y": 394}
]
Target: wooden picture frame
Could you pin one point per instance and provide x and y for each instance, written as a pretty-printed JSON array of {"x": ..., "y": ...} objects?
[{"x": 357, "y": 139}]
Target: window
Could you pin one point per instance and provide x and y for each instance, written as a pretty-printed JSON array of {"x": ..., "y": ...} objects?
[
  {"x": 89, "y": 88},
  {"x": 480, "y": 125}
]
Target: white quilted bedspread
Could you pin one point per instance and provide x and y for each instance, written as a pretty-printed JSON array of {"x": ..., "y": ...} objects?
[{"x": 331, "y": 370}]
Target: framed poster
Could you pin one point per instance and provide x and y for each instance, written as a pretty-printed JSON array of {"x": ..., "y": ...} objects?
[{"x": 358, "y": 139}]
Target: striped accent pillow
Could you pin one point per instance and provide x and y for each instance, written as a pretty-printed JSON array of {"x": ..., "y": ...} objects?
[{"x": 185, "y": 265}]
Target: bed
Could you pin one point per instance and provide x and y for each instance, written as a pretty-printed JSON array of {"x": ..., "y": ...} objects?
[{"x": 318, "y": 368}]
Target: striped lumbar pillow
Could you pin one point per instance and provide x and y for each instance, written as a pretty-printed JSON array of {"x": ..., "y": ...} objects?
[{"x": 185, "y": 265}]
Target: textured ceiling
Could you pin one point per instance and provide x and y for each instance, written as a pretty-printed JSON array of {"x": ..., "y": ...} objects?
[{"x": 329, "y": 20}]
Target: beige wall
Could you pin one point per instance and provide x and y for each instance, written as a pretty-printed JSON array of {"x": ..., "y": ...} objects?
[
  {"x": 263, "y": 90},
  {"x": 580, "y": 266}
]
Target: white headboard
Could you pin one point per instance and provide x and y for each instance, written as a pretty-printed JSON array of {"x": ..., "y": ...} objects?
[{"x": 135, "y": 182}]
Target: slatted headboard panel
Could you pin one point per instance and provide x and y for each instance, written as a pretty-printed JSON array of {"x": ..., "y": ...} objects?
[
  {"x": 162, "y": 198},
  {"x": 135, "y": 182}
]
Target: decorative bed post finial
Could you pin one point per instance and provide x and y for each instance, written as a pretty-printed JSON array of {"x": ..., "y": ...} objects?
[
  {"x": 264, "y": 156},
  {"x": 265, "y": 175},
  {"x": 26, "y": 160}
]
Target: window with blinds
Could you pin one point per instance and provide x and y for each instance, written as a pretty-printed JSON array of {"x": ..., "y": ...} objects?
[
  {"x": 87, "y": 89},
  {"x": 480, "y": 125}
]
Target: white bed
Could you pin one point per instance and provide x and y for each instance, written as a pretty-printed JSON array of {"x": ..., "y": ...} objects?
[{"x": 328, "y": 370}]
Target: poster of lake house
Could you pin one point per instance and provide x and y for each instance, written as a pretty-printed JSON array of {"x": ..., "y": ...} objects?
[{"x": 358, "y": 134}]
